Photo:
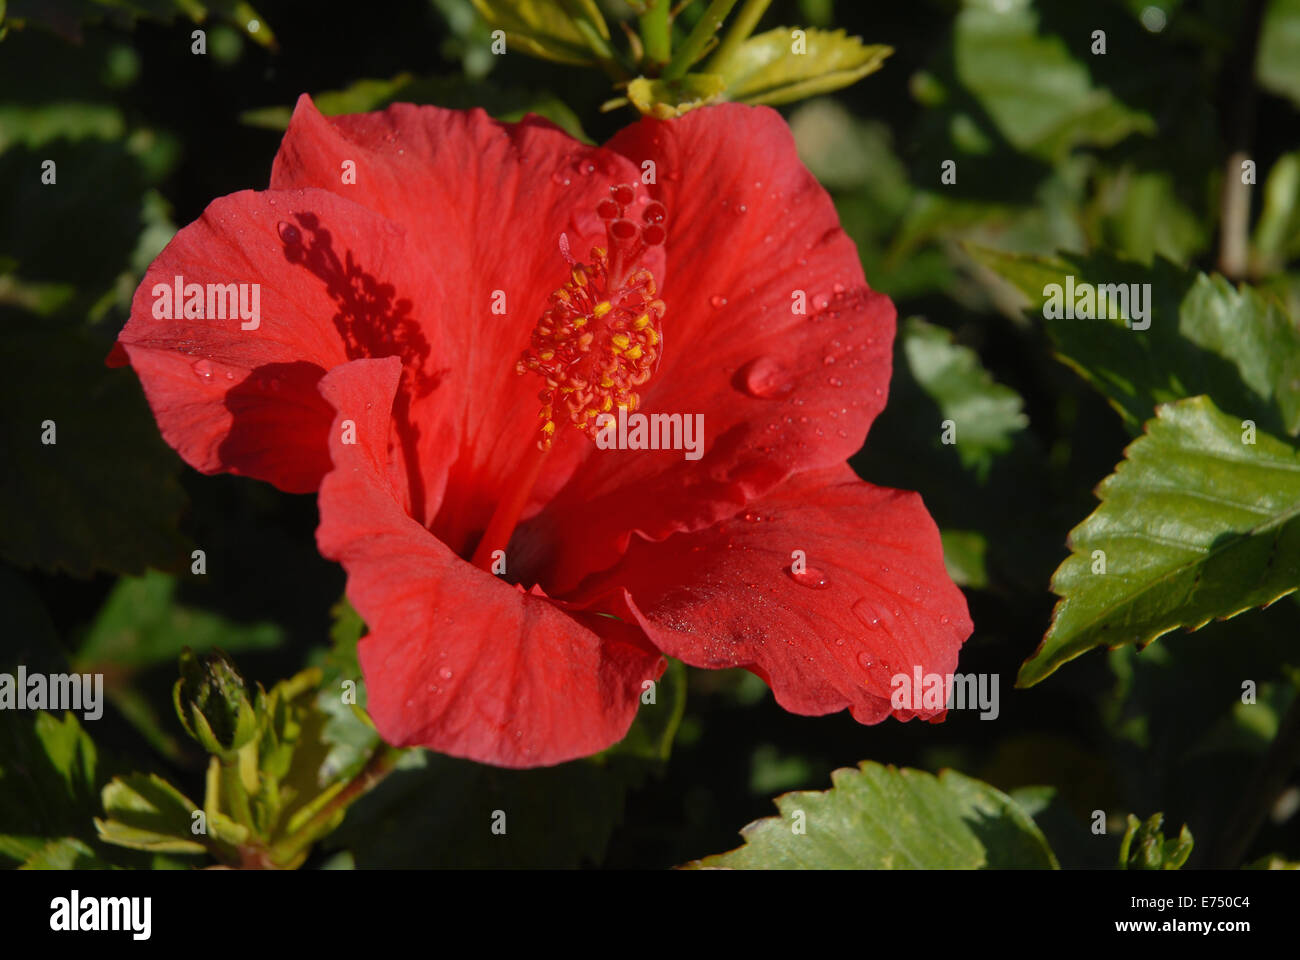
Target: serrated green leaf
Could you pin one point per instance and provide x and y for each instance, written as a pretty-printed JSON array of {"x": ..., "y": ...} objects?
[
  {"x": 1205, "y": 337},
  {"x": 145, "y": 812},
  {"x": 544, "y": 28},
  {"x": 666, "y": 99},
  {"x": 883, "y": 818},
  {"x": 765, "y": 68},
  {"x": 985, "y": 414},
  {"x": 1194, "y": 525}
]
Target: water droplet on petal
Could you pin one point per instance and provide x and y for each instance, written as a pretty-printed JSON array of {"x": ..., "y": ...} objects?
[
  {"x": 764, "y": 377},
  {"x": 444, "y": 673},
  {"x": 864, "y": 611},
  {"x": 835, "y": 382},
  {"x": 718, "y": 301},
  {"x": 203, "y": 368},
  {"x": 810, "y": 577},
  {"x": 288, "y": 232}
]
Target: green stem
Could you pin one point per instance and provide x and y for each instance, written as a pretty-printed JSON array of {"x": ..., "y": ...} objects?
[
  {"x": 698, "y": 39},
  {"x": 381, "y": 764},
  {"x": 738, "y": 33},
  {"x": 656, "y": 33},
  {"x": 606, "y": 55}
]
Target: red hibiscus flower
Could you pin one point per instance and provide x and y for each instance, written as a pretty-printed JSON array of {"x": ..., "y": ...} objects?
[{"x": 449, "y": 309}]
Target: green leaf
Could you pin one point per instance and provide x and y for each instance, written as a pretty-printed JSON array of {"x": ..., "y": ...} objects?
[
  {"x": 1195, "y": 524},
  {"x": 545, "y": 29},
  {"x": 1002, "y": 81},
  {"x": 666, "y": 99},
  {"x": 145, "y": 812},
  {"x": 963, "y": 556},
  {"x": 1144, "y": 846},
  {"x": 1205, "y": 337},
  {"x": 986, "y": 414},
  {"x": 883, "y": 818},
  {"x": 47, "y": 782},
  {"x": 142, "y": 623},
  {"x": 1277, "y": 64},
  {"x": 764, "y": 69},
  {"x": 347, "y": 731}
]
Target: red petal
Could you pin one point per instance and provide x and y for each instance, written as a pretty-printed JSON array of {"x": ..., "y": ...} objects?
[
  {"x": 725, "y": 596},
  {"x": 780, "y": 392},
  {"x": 484, "y": 204},
  {"x": 246, "y": 401},
  {"x": 456, "y": 659}
]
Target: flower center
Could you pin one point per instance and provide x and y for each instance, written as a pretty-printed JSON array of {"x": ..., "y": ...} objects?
[{"x": 600, "y": 337}]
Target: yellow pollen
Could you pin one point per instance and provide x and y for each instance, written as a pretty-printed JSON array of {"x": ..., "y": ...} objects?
[{"x": 595, "y": 344}]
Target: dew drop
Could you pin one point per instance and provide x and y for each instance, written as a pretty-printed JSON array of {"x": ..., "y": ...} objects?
[
  {"x": 810, "y": 577},
  {"x": 764, "y": 377},
  {"x": 445, "y": 673},
  {"x": 203, "y": 368},
  {"x": 753, "y": 516},
  {"x": 863, "y": 610},
  {"x": 829, "y": 360},
  {"x": 835, "y": 382},
  {"x": 288, "y": 232},
  {"x": 718, "y": 301}
]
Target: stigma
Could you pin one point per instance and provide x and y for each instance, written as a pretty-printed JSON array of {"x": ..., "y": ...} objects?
[{"x": 600, "y": 337}]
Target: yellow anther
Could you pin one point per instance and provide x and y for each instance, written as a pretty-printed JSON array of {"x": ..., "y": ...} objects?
[
  {"x": 651, "y": 337},
  {"x": 634, "y": 353},
  {"x": 600, "y": 309},
  {"x": 641, "y": 322},
  {"x": 620, "y": 340}
]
